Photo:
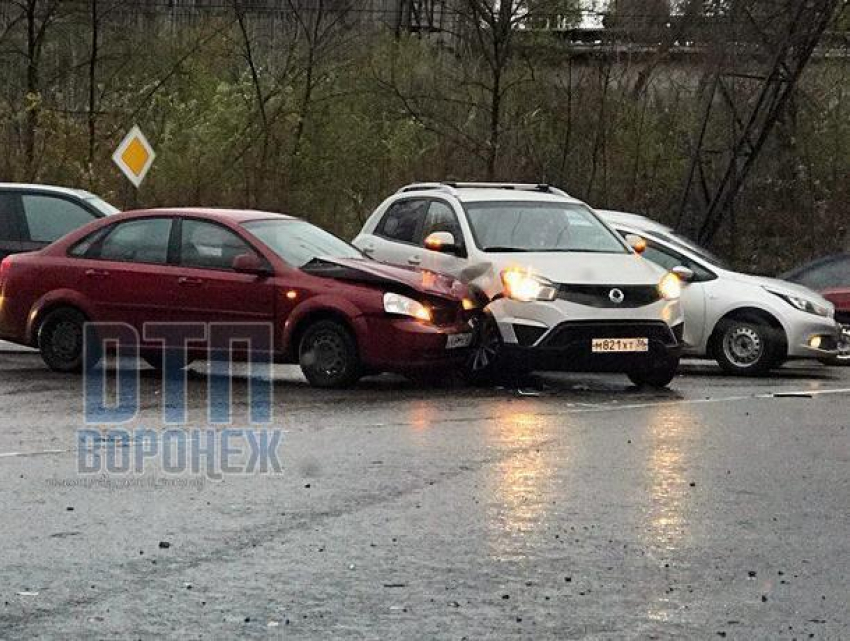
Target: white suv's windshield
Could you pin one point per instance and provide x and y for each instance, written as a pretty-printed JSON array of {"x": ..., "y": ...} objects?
[
  {"x": 516, "y": 226},
  {"x": 298, "y": 242}
]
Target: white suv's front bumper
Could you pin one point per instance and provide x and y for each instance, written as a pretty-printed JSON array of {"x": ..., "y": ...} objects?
[
  {"x": 559, "y": 335},
  {"x": 512, "y": 315}
]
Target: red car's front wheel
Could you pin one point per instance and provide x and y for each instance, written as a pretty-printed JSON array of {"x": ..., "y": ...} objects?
[{"x": 328, "y": 355}]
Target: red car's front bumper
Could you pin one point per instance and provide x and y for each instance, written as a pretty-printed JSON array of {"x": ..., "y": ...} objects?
[{"x": 403, "y": 345}]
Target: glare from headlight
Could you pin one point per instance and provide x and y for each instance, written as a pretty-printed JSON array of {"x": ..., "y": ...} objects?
[
  {"x": 670, "y": 286},
  {"x": 404, "y": 306},
  {"x": 524, "y": 286}
]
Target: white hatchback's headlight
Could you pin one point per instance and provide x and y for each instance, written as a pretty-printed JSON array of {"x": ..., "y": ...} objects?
[
  {"x": 805, "y": 305},
  {"x": 670, "y": 286},
  {"x": 404, "y": 306},
  {"x": 524, "y": 286}
]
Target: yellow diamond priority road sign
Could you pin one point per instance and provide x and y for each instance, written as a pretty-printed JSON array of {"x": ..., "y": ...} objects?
[{"x": 134, "y": 156}]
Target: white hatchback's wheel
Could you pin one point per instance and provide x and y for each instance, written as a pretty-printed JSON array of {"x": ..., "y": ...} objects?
[
  {"x": 743, "y": 346},
  {"x": 746, "y": 348}
]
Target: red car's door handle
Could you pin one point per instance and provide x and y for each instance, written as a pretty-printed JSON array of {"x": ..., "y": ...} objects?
[
  {"x": 97, "y": 273},
  {"x": 190, "y": 282}
]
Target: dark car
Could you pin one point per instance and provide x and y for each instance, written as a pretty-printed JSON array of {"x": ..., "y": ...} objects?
[
  {"x": 831, "y": 277},
  {"x": 33, "y": 216},
  {"x": 333, "y": 310}
]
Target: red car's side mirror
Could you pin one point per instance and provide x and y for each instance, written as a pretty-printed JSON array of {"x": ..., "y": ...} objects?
[{"x": 251, "y": 264}]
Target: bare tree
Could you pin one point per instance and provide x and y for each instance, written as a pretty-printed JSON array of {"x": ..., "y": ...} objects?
[{"x": 37, "y": 17}]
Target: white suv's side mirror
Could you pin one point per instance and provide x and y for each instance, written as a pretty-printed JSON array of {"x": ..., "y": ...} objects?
[{"x": 441, "y": 241}]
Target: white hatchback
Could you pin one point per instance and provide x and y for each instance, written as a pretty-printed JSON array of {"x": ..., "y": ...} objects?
[
  {"x": 749, "y": 324},
  {"x": 562, "y": 290}
]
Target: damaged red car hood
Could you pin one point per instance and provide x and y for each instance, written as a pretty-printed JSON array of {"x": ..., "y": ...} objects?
[{"x": 370, "y": 271}]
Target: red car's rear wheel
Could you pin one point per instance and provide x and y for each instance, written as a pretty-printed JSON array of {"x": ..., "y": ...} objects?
[{"x": 60, "y": 340}]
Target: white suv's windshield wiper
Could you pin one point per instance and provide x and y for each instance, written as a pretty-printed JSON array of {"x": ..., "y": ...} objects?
[{"x": 549, "y": 250}]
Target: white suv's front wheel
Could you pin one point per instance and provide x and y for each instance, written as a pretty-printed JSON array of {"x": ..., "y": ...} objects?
[
  {"x": 486, "y": 364},
  {"x": 659, "y": 375}
]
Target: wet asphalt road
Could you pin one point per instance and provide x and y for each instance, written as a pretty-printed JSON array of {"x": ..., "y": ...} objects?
[{"x": 575, "y": 508}]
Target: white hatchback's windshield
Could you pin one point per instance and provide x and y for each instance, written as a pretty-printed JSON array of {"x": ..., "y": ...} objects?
[
  {"x": 298, "y": 242},
  {"x": 515, "y": 226},
  {"x": 701, "y": 252}
]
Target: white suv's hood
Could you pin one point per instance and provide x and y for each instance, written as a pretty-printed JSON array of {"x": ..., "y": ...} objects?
[{"x": 582, "y": 267}]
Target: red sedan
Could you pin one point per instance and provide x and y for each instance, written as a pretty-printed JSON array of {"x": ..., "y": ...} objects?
[
  {"x": 333, "y": 310},
  {"x": 831, "y": 277}
]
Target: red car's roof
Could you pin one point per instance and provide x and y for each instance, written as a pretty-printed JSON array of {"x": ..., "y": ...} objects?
[{"x": 234, "y": 215}]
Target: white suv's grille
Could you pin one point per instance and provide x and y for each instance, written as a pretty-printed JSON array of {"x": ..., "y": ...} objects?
[{"x": 611, "y": 296}]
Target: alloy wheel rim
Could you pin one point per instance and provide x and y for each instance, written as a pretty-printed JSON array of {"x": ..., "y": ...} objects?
[
  {"x": 485, "y": 354},
  {"x": 743, "y": 346}
]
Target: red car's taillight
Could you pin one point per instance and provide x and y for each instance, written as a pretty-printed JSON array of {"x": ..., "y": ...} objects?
[{"x": 5, "y": 268}]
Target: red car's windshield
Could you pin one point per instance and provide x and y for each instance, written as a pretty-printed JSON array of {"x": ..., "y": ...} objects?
[{"x": 298, "y": 242}]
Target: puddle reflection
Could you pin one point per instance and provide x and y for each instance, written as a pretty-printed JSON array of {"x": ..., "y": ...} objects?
[
  {"x": 666, "y": 470},
  {"x": 519, "y": 492},
  {"x": 666, "y": 528}
]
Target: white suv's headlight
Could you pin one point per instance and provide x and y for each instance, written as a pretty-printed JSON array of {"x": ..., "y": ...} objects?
[
  {"x": 670, "y": 286},
  {"x": 805, "y": 305},
  {"x": 404, "y": 306},
  {"x": 524, "y": 286}
]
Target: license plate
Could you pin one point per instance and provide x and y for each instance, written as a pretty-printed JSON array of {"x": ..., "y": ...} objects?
[
  {"x": 455, "y": 341},
  {"x": 606, "y": 345}
]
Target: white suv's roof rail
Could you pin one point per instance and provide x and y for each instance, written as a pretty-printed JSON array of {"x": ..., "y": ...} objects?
[
  {"x": 451, "y": 187},
  {"x": 427, "y": 187}
]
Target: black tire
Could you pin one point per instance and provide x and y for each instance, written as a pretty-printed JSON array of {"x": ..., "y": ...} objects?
[
  {"x": 658, "y": 376},
  {"x": 328, "y": 355},
  {"x": 60, "y": 341},
  {"x": 747, "y": 348}
]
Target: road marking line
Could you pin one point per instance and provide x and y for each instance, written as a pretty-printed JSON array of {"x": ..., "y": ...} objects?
[
  {"x": 844, "y": 390},
  {"x": 38, "y": 453}
]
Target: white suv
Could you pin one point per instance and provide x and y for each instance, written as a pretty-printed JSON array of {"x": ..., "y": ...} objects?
[{"x": 563, "y": 291}]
